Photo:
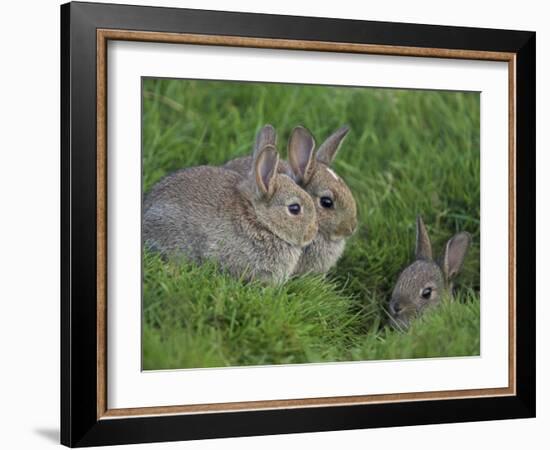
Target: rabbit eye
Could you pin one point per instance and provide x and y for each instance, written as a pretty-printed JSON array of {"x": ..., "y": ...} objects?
[
  {"x": 294, "y": 209},
  {"x": 426, "y": 293},
  {"x": 326, "y": 202}
]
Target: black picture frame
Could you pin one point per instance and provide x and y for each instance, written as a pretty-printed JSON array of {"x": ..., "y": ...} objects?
[{"x": 80, "y": 425}]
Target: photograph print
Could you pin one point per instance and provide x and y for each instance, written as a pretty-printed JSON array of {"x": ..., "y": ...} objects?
[{"x": 295, "y": 224}]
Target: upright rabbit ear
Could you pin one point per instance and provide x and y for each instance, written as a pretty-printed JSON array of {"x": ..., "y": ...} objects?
[
  {"x": 423, "y": 244},
  {"x": 265, "y": 169},
  {"x": 300, "y": 154},
  {"x": 328, "y": 149},
  {"x": 455, "y": 252},
  {"x": 266, "y": 136}
]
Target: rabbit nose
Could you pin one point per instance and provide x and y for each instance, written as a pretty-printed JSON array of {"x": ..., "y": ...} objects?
[
  {"x": 395, "y": 307},
  {"x": 346, "y": 229}
]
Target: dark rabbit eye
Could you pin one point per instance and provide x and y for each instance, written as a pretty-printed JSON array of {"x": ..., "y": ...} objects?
[
  {"x": 294, "y": 209},
  {"x": 326, "y": 202},
  {"x": 426, "y": 293}
]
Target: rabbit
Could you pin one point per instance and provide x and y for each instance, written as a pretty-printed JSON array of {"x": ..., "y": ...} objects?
[
  {"x": 425, "y": 282},
  {"x": 254, "y": 226},
  {"x": 334, "y": 202}
]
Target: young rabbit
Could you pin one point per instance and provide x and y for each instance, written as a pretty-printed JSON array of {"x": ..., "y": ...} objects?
[
  {"x": 254, "y": 226},
  {"x": 334, "y": 202},
  {"x": 423, "y": 283}
]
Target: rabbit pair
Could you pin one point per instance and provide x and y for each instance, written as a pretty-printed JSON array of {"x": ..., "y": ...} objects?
[
  {"x": 334, "y": 202},
  {"x": 254, "y": 226},
  {"x": 425, "y": 282}
]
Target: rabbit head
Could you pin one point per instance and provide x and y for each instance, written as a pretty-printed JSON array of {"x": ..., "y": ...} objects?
[
  {"x": 424, "y": 282},
  {"x": 279, "y": 204},
  {"x": 334, "y": 202}
]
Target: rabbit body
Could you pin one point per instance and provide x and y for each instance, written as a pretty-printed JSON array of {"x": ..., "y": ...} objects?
[
  {"x": 320, "y": 256},
  {"x": 210, "y": 213}
]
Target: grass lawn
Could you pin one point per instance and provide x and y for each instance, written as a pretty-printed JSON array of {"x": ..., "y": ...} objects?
[{"x": 408, "y": 153}]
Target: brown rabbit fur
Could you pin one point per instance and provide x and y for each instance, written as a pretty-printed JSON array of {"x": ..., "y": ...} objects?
[
  {"x": 425, "y": 282},
  {"x": 245, "y": 224},
  {"x": 334, "y": 202}
]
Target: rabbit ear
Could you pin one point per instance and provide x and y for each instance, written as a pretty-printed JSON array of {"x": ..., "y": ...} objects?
[
  {"x": 266, "y": 136},
  {"x": 455, "y": 252},
  {"x": 265, "y": 169},
  {"x": 300, "y": 154},
  {"x": 328, "y": 149},
  {"x": 423, "y": 244}
]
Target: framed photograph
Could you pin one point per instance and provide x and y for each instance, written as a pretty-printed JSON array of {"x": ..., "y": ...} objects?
[{"x": 276, "y": 224}]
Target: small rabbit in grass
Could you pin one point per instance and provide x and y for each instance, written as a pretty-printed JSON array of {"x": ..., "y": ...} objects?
[
  {"x": 255, "y": 225},
  {"x": 423, "y": 283},
  {"x": 334, "y": 202}
]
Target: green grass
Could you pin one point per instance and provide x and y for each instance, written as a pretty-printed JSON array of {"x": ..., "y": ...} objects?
[{"x": 408, "y": 152}]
